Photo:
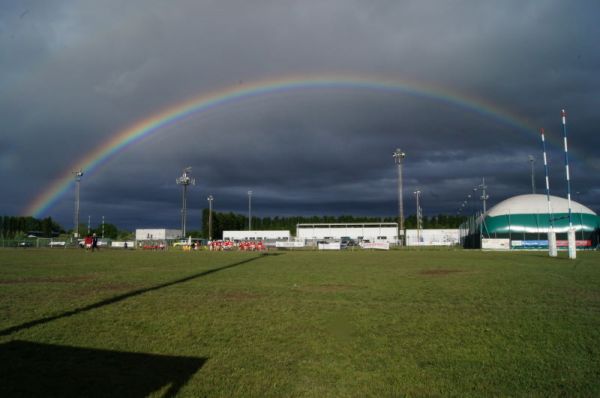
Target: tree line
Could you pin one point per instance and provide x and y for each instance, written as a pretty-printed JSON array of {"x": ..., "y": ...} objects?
[
  {"x": 17, "y": 226},
  {"x": 110, "y": 231},
  {"x": 236, "y": 222}
]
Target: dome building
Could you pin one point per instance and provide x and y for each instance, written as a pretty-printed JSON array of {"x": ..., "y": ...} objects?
[{"x": 525, "y": 219}]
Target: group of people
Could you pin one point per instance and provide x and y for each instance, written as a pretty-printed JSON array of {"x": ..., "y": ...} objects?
[
  {"x": 252, "y": 246},
  {"x": 219, "y": 245},
  {"x": 91, "y": 242},
  {"x": 159, "y": 246}
]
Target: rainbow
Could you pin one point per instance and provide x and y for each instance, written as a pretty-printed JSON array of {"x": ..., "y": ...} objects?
[{"x": 153, "y": 124}]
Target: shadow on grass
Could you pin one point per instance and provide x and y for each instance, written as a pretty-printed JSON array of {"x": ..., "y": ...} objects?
[
  {"x": 124, "y": 296},
  {"x": 41, "y": 370}
]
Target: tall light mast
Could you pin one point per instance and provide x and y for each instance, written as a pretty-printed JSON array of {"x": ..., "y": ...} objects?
[
  {"x": 249, "y": 210},
  {"x": 419, "y": 215},
  {"x": 484, "y": 196},
  {"x": 399, "y": 157},
  {"x": 532, "y": 161},
  {"x": 184, "y": 180},
  {"x": 78, "y": 175},
  {"x": 210, "y": 200}
]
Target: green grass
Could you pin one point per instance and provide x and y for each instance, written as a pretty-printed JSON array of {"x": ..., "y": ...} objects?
[{"x": 398, "y": 323}]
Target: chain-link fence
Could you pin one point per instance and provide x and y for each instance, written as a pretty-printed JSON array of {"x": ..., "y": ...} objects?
[{"x": 37, "y": 243}]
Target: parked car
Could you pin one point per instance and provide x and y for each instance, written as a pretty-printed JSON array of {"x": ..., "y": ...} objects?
[{"x": 346, "y": 241}]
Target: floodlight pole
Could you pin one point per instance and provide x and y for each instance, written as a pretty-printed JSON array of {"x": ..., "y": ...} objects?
[
  {"x": 184, "y": 180},
  {"x": 78, "y": 175},
  {"x": 249, "y": 210},
  {"x": 210, "y": 200},
  {"x": 417, "y": 194},
  {"x": 532, "y": 161},
  {"x": 484, "y": 195},
  {"x": 571, "y": 232},
  {"x": 399, "y": 157}
]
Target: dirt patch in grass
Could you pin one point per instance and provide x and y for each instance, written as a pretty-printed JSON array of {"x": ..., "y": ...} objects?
[
  {"x": 439, "y": 272},
  {"x": 46, "y": 279}
]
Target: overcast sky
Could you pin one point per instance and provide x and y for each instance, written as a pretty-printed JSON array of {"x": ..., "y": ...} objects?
[{"x": 75, "y": 73}]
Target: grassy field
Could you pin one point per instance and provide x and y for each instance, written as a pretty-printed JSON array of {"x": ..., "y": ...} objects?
[{"x": 416, "y": 323}]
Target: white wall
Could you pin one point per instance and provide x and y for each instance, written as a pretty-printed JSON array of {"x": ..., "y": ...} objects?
[
  {"x": 130, "y": 244},
  {"x": 157, "y": 234},
  {"x": 433, "y": 237},
  {"x": 495, "y": 244},
  {"x": 366, "y": 232},
  {"x": 256, "y": 235}
]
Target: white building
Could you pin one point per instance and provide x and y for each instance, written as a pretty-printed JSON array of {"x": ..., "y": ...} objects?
[
  {"x": 156, "y": 234},
  {"x": 279, "y": 235},
  {"x": 432, "y": 237},
  {"x": 372, "y": 232}
]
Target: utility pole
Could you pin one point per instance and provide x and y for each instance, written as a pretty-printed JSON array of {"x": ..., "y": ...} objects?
[
  {"x": 249, "y": 210},
  {"x": 78, "y": 175},
  {"x": 399, "y": 157},
  {"x": 532, "y": 161},
  {"x": 102, "y": 227},
  {"x": 210, "y": 200},
  {"x": 184, "y": 180}
]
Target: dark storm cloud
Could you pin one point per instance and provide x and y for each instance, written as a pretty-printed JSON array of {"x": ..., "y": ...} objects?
[{"x": 74, "y": 73}]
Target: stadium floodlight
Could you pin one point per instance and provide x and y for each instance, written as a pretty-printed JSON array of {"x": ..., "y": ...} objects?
[
  {"x": 78, "y": 175},
  {"x": 249, "y": 210},
  {"x": 210, "y": 200},
  {"x": 399, "y": 157},
  {"x": 532, "y": 161},
  {"x": 184, "y": 180}
]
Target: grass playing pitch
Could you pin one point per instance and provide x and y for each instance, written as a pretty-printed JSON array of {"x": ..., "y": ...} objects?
[{"x": 462, "y": 323}]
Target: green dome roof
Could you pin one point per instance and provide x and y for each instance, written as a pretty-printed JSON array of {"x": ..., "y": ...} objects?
[
  {"x": 529, "y": 214},
  {"x": 536, "y": 204}
]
